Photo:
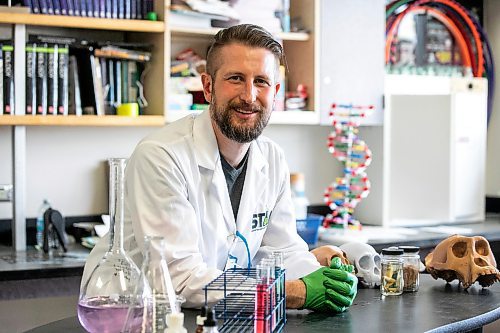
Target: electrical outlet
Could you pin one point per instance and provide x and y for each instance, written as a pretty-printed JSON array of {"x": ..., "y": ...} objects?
[{"x": 6, "y": 192}]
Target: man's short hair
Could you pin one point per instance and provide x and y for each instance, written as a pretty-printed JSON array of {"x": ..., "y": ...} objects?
[{"x": 246, "y": 34}]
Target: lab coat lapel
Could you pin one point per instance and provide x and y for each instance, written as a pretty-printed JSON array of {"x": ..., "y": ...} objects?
[
  {"x": 208, "y": 157},
  {"x": 205, "y": 143},
  {"x": 256, "y": 180}
]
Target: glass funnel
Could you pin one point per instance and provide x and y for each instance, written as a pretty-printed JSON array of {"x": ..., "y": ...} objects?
[
  {"x": 154, "y": 293},
  {"x": 105, "y": 297}
]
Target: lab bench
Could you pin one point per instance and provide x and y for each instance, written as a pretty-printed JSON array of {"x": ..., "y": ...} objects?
[
  {"x": 30, "y": 280},
  {"x": 436, "y": 307}
]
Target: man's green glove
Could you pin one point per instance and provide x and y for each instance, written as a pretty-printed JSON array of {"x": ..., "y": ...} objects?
[{"x": 330, "y": 289}]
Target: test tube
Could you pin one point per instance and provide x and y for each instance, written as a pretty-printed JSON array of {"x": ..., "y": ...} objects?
[
  {"x": 271, "y": 262},
  {"x": 263, "y": 271},
  {"x": 279, "y": 266}
]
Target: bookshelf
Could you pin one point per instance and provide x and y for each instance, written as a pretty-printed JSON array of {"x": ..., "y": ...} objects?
[
  {"x": 301, "y": 50},
  {"x": 22, "y": 24}
]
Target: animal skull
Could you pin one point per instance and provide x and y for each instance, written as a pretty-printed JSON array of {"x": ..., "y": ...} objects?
[
  {"x": 366, "y": 261},
  {"x": 468, "y": 259}
]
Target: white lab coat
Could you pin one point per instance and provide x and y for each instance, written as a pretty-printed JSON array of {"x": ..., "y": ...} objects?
[{"x": 175, "y": 187}]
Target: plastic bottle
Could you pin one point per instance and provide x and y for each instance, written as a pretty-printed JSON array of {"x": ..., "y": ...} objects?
[
  {"x": 175, "y": 323},
  {"x": 300, "y": 201},
  {"x": 200, "y": 319},
  {"x": 210, "y": 324},
  {"x": 40, "y": 224}
]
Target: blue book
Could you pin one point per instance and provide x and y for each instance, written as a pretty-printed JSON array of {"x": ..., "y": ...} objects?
[
  {"x": 133, "y": 9},
  {"x": 102, "y": 8},
  {"x": 114, "y": 9},
  {"x": 127, "y": 9},
  {"x": 108, "y": 9},
  {"x": 76, "y": 7},
  {"x": 43, "y": 6},
  {"x": 71, "y": 7},
  {"x": 96, "y": 8},
  {"x": 57, "y": 7},
  {"x": 65, "y": 7},
  {"x": 50, "y": 7},
  {"x": 80, "y": 8},
  {"x": 121, "y": 9},
  {"x": 35, "y": 6},
  {"x": 89, "y": 4}
]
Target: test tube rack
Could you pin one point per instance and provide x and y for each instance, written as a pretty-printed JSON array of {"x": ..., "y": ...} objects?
[{"x": 237, "y": 307}]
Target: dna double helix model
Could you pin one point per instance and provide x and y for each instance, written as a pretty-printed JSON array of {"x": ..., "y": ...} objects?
[{"x": 346, "y": 192}]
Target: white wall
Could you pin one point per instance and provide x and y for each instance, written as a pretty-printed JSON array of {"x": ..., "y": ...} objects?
[
  {"x": 306, "y": 151},
  {"x": 67, "y": 164},
  {"x": 492, "y": 24}
]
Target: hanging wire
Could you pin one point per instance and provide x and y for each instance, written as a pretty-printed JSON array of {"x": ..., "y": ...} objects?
[{"x": 458, "y": 21}]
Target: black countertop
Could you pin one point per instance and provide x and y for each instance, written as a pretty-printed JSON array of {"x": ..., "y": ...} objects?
[
  {"x": 436, "y": 307},
  {"x": 425, "y": 237},
  {"x": 32, "y": 264}
]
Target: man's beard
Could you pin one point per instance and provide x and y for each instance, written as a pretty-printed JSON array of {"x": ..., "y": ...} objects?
[{"x": 239, "y": 130}]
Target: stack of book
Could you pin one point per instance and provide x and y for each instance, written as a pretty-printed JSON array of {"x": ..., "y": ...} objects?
[
  {"x": 46, "y": 79},
  {"x": 64, "y": 77},
  {"x": 120, "y": 9}
]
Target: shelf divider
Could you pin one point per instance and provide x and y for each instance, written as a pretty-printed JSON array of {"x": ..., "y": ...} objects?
[{"x": 19, "y": 142}]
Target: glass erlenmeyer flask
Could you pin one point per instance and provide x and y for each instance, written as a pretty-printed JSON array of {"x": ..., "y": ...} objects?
[
  {"x": 154, "y": 293},
  {"x": 105, "y": 297}
]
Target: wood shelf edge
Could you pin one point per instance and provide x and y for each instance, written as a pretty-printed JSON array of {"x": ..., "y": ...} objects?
[
  {"x": 78, "y": 22},
  {"x": 72, "y": 120},
  {"x": 181, "y": 31}
]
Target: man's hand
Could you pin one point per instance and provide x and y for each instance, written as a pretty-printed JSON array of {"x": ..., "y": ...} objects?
[
  {"x": 330, "y": 289},
  {"x": 324, "y": 254}
]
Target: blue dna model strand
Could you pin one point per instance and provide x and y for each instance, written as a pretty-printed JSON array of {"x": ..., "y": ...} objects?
[{"x": 345, "y": 145}]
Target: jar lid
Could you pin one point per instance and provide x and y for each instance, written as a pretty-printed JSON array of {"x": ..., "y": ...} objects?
[
  {"x": 392, "y": 251},
  {"x": 410, "y": 249}
]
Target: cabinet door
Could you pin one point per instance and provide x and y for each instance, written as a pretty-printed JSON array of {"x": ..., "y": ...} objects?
[{"x": 351, "y": 55}]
